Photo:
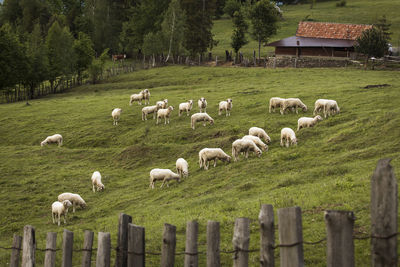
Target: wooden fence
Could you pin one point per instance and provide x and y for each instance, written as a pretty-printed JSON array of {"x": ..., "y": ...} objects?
[{"x": 131, "y": 250}]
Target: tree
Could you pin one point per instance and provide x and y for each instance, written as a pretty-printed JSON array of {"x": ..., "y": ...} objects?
[
  {"x": 231, "y": 6},
  {"x": 239, "y": 32},
  {"x": 384, "y": 26},
  {"x": 264, "y": 17},
  {"x": 97, "y": 66},
  {"x": 153, "y": 43},
  {"x": 372, "y": 43},
  {"x": 83, "y": 48}
]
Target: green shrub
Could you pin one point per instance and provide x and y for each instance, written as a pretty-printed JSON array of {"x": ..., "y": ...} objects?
[{"x": 342, "y": 3}]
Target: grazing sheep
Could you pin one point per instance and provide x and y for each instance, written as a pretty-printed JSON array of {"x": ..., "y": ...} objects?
[
  {"x": 186, "y": 106},
  {"x": 182, "y": 167},
  {"x": 163, "y": 174},
  {"x": 162, "y": 103},
  {"x": 202, "y": 103},
  {"x": 275, "y": 102},
  {"x": 288, "y": 135},
  {"x": 256, "y": 131},
  {"x": 225, "y": 105},
  {"x": 208, "y": 154},
  {"x": 244, "y": 145},
  {"x": 164, "y": 113},
  {"x": 57, "y": 138},
  {"x": 319, "y": 106},
  {"x": 304, "y": 122},
  {"x": 60, "y": 208},
  {"x": 146, "y": 96},
  {"x": 75, "y": 199},
  {"x": 330, "y": 108},
  {"x": 257, "y": 141},
  {"x": 96, "y": 181},
  {"x": 293, "y": 103},
  {"x": 137, "y": 97},
  {"x": 204, "y": 117},
  {"x": 116, "y": 115},
  {"x": 148, "y": 110}
]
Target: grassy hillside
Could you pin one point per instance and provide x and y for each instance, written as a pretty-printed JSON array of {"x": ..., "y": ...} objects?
[
  {"x": 356, "y": 11},
  {"x": 329, "y": 169}
]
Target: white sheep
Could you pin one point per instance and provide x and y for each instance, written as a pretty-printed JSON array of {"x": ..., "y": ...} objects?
[
  {"x": 182, "y": 167},
  {"x": 186, "y": 106},
  {"x": 57, "y": 138},
  {"x": 256, "y": 131},
  {"x": 58, "y": 209},
  {"x": 137, "y": 97},
  {"x": 208, "y": 154},
  {"x": 202, "y": 103},
  {"x": 319, "y": 106},
  {"x": 225, "y": 105},
  {"x": 244, "y": 145},
  {"x": 162, "y": 103},
  {"x": 164, "y": 113},
  {"x": 148, "y": 110},
  {"x": 257, "y": 141},
  {"x": 204, "y": 117},
  {"x": 293, "y": 103},
  {"x": 116, "y": 115},
  {"x": 275, "y": 102},
  {"x": 330, "y": 108},
  {"x": 75, "y": 199},
  {"x": 288, "y": 135},
  {"x": 163, "y": 174},
  {"x": 305, "y": 122},
  {"x": 96, "y": 182},
  {"x": 146, "y": 96}
]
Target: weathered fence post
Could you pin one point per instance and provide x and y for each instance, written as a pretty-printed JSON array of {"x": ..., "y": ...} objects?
[
  {"x": 340, "y": 244},
  {"x": 28, "y": 247},
  {"x": 103, "y": 250},
  {"x": 136, "y": 246},
  {"x": 51, "y": 246},
  {"x": 68, "y": 240},
  {"x": 267, "y": 236},
  {"x": 384, "y": 212},
  {"x": 16, "y": 248},
  {"x": 122, "y": 242},
  {"x": 87, "y": 248},
  {"x": 290, "y": 237},
  {"x": 213, "y": 257},
  {"x": 168, "y": 246},
  {"x": 216, "y": 60},
  {"x": 241, "y": 241},
  {"x": 191, "y": 257}
]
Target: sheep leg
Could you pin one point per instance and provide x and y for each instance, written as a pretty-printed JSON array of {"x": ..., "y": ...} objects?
[
  {"x": 187, "y": 112},
  {"x": 157, "y": 120},
  {"x": 215, "y": 163},
  {"x": 219, "y": 112},
  {"x": 59, "y": 219},
  {"x": 297, "y": 112},
  {"x": 94, "y": 191},
  {"x": 73, "y": 207},
  {"x": 287, "y": 142},
  {"x": 165, "y": 179},
  {"x": 52, "y": 216},
  {"x": 206, "y": 164}
]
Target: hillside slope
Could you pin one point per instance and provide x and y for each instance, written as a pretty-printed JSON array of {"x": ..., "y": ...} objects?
[{"x": 329, "y": 169}]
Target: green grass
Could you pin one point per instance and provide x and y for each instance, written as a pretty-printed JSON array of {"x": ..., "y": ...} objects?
[
  {"x": 329, "y": 169},
  {"x": 356, "y": 11}
]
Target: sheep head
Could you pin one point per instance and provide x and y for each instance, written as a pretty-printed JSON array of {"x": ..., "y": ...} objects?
[
  {"x": 258, "y": 152},
  {"x": 293, "y": 141},
  {"x": 43, "y": 143},
  {"x": 67, "y": 204},
  {"x": 318, "y": 118},
  {"x": 304, "y": 108},
  {"x": 211, "y": 121}
]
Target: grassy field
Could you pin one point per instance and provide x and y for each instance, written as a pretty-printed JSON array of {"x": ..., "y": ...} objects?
[
  {"x": 356, "y": 11},
  {"x": 329, "y": 169}
]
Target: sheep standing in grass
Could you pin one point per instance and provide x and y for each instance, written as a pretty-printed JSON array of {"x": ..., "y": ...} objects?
[
  {"x": 162, "y": 103},
  {"x": 202, "y": 103},
  {"x": 58, "y": 209},
  {"x": 293, "y": 103},
  {"x": 57, "y": 138},
  {"x": 164, "y": 175},
  {"x": 244, "y": 145},
  {"x": 275, "y": 102},
  {"x": 330, "y": 108},
  {"x": 148, "y": 110},
  {"x": 257, "y": 141},
  {"x": 182, "y": 167},
  {"x": 164, "y": 113},
  {"x": 96, "y": 181},
  {"x": 319, "y": 106},
  {"x": 305, "y": 122},
  {"x": 75, "y": 199},
  {"x": 204, "y": 117},
  {"x": 256, "y": 131},
  {"x": 137, "y": 97},
  {"x": 225, "y": 105},
  {"x": 288, "y": 136},
  {"x": 186, "y": 106},
  {"x": 146, "y": 96},
  {"x": 116, "y": 115},
  {"x": 208, "y": 154}
]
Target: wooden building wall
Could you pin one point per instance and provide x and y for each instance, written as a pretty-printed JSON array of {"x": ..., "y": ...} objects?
[{"x": 313, "y": 51}]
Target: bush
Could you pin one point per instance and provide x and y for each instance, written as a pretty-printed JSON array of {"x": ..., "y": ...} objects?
[
  {"x": 231, "y": 6},
  {"x": 342, "y": 3}
]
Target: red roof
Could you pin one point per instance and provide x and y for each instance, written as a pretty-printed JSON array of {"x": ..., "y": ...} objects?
[{"x": 330, "y": 30}]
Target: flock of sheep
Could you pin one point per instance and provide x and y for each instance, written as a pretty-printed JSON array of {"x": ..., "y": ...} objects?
[{"x": 253, "y": 142}]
